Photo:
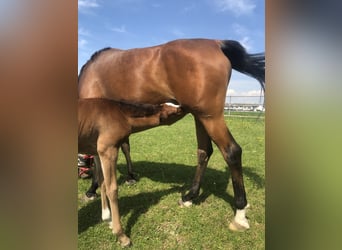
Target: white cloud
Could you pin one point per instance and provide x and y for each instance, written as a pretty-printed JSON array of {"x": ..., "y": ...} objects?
[
  {"x": 239, "y": 29},
  {"x": 189, "y": 8},
  {"x": 246, "y": 42},
  {"x": 238, "y": 7},
  {"x": 87, "y": 4},
  {"x": 252, "y": 93},
  {"x": 243, "y": 32},
  {"x": 83, "y": 32},
  {"x": 121, "y": 29},
  {"x": 178, "y": 32},
  {"x": 231, "y": 92},
  {"x": 82, "y": 43},
  {"x": 251, "y": 97}
]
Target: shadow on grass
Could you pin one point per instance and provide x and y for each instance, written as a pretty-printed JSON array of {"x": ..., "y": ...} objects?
[
  {"x": 179, "y": 177},
  {"x": 90, "y": 214},
  {"x": 215, "y": 181},
  {"x": 250, "y": 173}
]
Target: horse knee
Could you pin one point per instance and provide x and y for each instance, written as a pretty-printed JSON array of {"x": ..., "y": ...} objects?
[
  {"x": 204, "y": 155},
  {"x": 112, "y": 193},
  {"x": 234, "y": 153}
]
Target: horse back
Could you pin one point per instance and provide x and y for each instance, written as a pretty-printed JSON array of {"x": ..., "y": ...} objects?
[{"x": 183, "y": 70}]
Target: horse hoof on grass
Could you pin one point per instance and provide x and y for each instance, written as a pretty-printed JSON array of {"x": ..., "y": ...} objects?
[
  {"x": 240, "y": 222},
  {"x": 124, "y": 241},
  {"x": 237, "y": 227},
  {"x": 90, "y": 197},
  {"x": 130, "y": 182},
  {"x": 182, "y": 203}
]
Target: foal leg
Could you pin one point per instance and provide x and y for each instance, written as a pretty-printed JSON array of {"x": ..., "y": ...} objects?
[
  {"x": 231, "y": 152},
  {"x": 204, "y": 151},
  {"x": 91, "y": 192},
  {"x": 126, "y": 151},
  {"x": 108, "y": 157},
  {"x": 98, "y": 180}
]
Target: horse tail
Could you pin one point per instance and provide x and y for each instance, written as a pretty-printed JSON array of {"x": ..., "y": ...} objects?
[{"x": 249, "y": 64}]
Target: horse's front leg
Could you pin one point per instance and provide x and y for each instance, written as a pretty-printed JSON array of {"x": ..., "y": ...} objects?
[
  {"x": 204, "y": 152},
  {"x": 108, "y": 157}
]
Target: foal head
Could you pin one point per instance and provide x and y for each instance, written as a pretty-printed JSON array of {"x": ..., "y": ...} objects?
[{"x": 168, "y": 109}]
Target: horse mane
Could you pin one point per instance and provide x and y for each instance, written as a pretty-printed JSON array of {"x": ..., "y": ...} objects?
[{"x": 92, "y": 58}]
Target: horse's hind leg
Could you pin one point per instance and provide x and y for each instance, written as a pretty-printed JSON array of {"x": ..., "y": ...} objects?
[
  {"x": 125, "y": 147},
  {"x": 204, "y": 151},
  {"x": 231, "y": 152}
]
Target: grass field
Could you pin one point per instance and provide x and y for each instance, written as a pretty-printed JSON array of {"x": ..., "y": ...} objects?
[
  {"x": 164, "y": 161},
  {"x": 250, "y": 114}
]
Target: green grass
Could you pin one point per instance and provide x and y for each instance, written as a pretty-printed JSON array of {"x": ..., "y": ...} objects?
[
  {"x": 164, "y": 161},
  {"x": 250, "y": 114}
]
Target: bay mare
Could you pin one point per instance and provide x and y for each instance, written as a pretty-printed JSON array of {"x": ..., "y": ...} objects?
[
  {"x": 102, "y": 126},
  {"x": 194, "y": 73}
]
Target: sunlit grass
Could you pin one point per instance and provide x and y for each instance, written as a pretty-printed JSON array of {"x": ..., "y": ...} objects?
[{"x": 164, "y": 161}]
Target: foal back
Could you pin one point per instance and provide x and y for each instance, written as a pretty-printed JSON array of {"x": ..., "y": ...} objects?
[{"x": 115, "y": 120}]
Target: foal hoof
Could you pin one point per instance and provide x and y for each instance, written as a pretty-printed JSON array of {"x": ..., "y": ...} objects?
[
  {"x": 182, "y": 203},
  {"x": 90, "y": 197},
  {"x": 130, "y": 182},
  {"x": 124, "y": 241}
]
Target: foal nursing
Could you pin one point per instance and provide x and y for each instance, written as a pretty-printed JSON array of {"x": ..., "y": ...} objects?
[{"x": 102, "y": 126}]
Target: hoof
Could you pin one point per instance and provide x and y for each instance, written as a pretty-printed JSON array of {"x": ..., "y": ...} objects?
[
  {"x": 182, "y": 203},
  {"x": 91, "y": 196},
  {"x": 240, "y": 222},
  {"x": 237, "y": 227},
  {"x": 130, "y": 182},
  {"x": 124, "y": 241}
]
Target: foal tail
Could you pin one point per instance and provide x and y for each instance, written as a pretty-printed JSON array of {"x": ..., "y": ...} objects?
[{"x": 249, "y": 64}]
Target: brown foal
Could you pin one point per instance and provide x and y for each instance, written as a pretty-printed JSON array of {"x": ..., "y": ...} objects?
[{"x": 102, "y": 126}]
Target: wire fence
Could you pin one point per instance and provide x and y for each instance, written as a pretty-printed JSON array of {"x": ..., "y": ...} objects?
[{"x": 245, "y": 106}]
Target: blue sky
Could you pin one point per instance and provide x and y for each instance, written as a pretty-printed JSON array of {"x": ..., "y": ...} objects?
[{"x": 128, "y": 24}]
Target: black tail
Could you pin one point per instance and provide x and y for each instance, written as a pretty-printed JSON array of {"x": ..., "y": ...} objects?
[{"x": 249, "y": 64}]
